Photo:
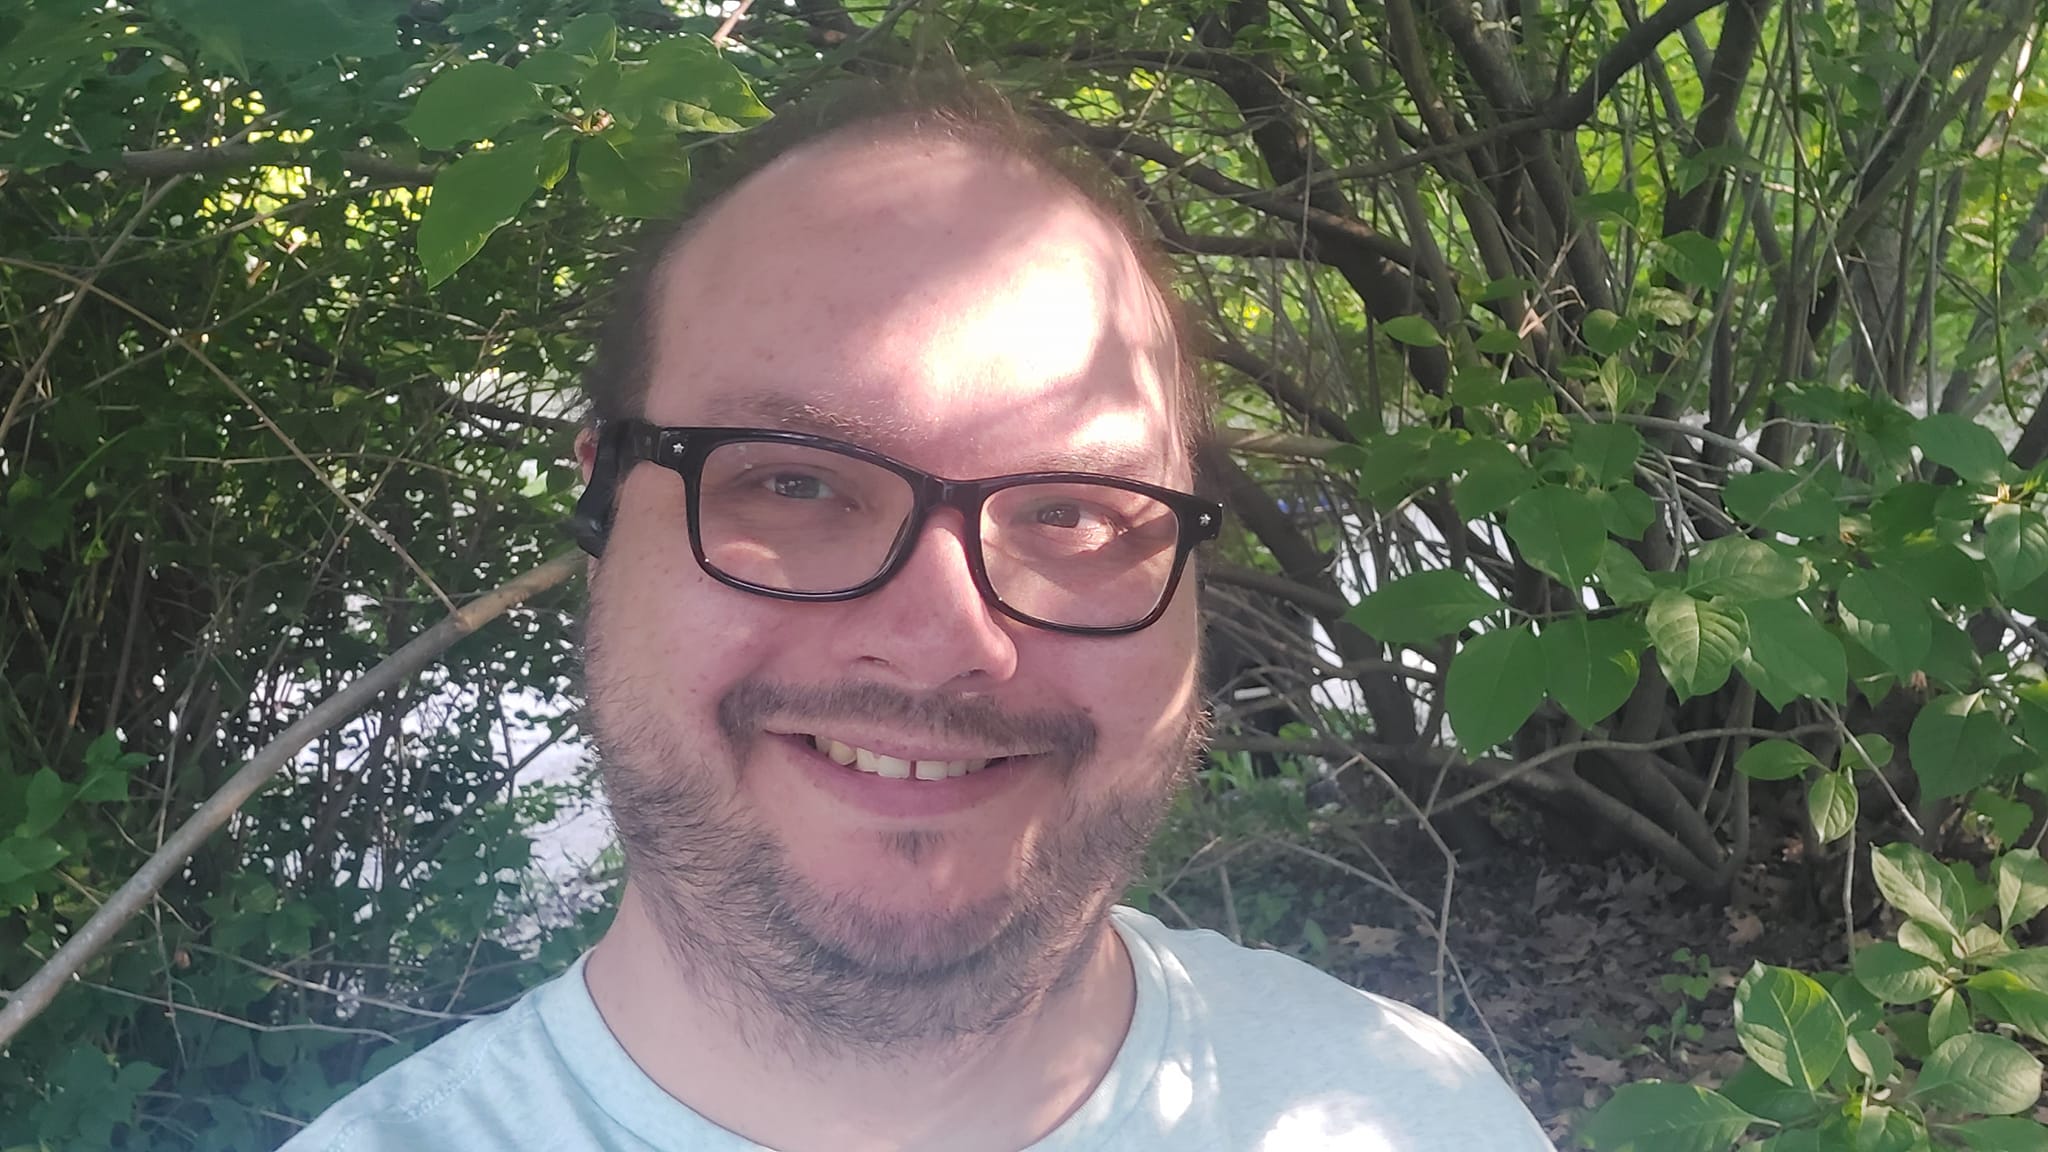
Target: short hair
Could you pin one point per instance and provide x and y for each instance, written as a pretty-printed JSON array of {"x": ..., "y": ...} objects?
[{"x": 917, "y": 107}]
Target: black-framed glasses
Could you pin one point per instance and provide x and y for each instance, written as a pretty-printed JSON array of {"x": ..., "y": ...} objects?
[{"x": 801, "y": 517}]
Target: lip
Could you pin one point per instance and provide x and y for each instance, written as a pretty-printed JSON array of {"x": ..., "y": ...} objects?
[
  {"x": 902, "y": 799},
  {"x": 885, "y": 745}
]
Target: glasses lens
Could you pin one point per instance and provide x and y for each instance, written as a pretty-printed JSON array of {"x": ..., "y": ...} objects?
[
  {"x": 1079, "y": 554},
  {"x": 798, "y": 519}
]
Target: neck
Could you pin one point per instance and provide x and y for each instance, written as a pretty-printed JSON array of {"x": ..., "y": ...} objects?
[{"x": 740, "y": 1067}]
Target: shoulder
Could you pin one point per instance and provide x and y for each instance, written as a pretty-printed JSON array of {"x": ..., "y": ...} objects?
[
  {"x": 1302, "y": 1043},
  {"x": 452, "y": 1094}
]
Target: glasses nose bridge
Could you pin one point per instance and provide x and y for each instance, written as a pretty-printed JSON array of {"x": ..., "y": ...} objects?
[{"x": 963, "y": 496}]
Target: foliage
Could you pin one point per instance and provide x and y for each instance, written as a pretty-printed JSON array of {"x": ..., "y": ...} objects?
[
  {"x": 1854, "y": 1064},
  {"x": 253, "y": 439},
  {"x": 1633, "y": 420}
]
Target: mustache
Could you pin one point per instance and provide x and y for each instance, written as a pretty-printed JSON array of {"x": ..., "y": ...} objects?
[{"x": 1069, "y": 736}]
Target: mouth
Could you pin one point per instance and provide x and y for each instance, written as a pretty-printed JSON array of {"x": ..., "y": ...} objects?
[{"x": 890, "y": 767}]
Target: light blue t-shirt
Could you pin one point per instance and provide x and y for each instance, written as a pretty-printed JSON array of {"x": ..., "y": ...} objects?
[{"x": 1229, "y": 1050}]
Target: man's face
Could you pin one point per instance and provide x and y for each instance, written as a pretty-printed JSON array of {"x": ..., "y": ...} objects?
[{"x": 959, "y": 312}]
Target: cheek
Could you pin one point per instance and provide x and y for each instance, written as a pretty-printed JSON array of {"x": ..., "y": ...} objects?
[
  {"x": 1140, "y": 698},
  {"x": 675, "y": 636}
]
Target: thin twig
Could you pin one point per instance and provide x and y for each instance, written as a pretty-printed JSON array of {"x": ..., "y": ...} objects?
[
  {"x": 725, "y": 28},
  {"x": 355, "y": 511},
  {"x": 106, "y": 923},
  {"x": 36, "y": 371}
]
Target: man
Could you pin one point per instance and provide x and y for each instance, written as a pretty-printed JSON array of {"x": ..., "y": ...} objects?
[{"x": 883, "y": 749}]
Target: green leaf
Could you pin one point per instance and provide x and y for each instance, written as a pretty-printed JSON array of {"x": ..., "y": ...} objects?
[
  {"x": 1932, "y": 567},
  {"x": 1775, "y": 760},
  {"x": 1659, "y": 1117},
  {"x": 1502, "y": 289},
  {"x": 1696, "y": 642},
  {"x": 1590, "y": 666},
  {"x": 593, "y": 36},
  {"x": 1979, "y": 1072},
  {"x": 45, "y": 802},
  {"x": 639, "y": 178},
  {"x": 1866, "y": 753},
  {"x": 2003, "y": 1134},
  {"x": 1626, "y": 511},
  {"x": 1890, "y": 619},
  {"x": 1497, "y": 342},
  {"x": 2029, "y": 964},
  {"x": 556, "y": 151},
  {"x": 1559, "y": 532},
  {"x": 2008, "y": 819},
  {"x": 1422, "y": 606},
  {"x": 1607, "y": 452},
  {"x": 1791, "y": 655},
  {"x": 1999, "y": 991},
  {"x": 1895, "y": 975},
  {"x": 1788, "y": 502},
  {"x": 1741, "y": 569},
  {"x": 2022, "y": 879},
  {"x": 1606, "y": 333},
  {"x": 472, "y": 198},
  {"x": 1871, "y": 1054},
  {"x": 551, "y": 67},
  {"x": 1761, "y": 1094},
  {"x": 1622, "y": 576},
  {"x": 104, "y": 750},
  {"x": 685, "y": 84},
  {"x": 1413, "y": 331},
  {"x": 104, "y": 785},
  {"x": 1960, "y": 445},
  {"x": 1831, "y": 801},
  {"x": 1789, "y": 1026},
  {"x": 1695, "y": 259},
  {"x": 1494, "y": 684},
  {"x": 1491, "y": 485},
  {"x": 1918, "y": 886},
  {"x": 1956, "y": 743},
  {"x": 2016, "y": 545},
  {"x": 1949, "y": 1018},
  {"x": 473, "y": 101},
  {"x": 281, "y": 35},
  {"x": 22, "y": 856},
  {"x": 697, "y": 89}
]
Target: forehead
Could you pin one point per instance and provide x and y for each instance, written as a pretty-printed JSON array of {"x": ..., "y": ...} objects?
[{"x": 950, "y": 304}]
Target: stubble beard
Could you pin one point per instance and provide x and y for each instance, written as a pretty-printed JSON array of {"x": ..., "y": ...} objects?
[{"x": 800, "y": 967}]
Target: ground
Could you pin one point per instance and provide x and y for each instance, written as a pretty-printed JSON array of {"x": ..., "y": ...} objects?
[{"x": 1581, "y": 976}]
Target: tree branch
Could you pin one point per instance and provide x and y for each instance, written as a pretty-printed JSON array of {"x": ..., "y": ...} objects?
[
  {"x": 106, "y": 923},
  {"x": 159, "y": 163}
]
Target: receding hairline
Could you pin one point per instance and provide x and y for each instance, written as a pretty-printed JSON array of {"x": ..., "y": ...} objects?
[
  {"x": 906, "y": 129},
  {"x": 970, "y": 114}
]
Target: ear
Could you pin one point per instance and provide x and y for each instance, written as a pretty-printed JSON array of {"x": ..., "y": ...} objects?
[{"x": 591, "y": 522}]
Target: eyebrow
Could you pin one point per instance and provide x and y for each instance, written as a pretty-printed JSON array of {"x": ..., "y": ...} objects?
[{"x": 792, "y": 413}]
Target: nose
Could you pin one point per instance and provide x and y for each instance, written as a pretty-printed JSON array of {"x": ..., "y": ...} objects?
[{"x": 929, "y": 627}]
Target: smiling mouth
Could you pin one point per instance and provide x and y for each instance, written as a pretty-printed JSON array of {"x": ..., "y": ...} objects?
[{"x": 894, "y": 767}]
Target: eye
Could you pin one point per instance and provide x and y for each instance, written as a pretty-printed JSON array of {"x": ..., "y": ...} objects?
[
  {"x": 797, "y": 486},
  {"x": 1060, "y": 516},
  {"x": 1092, "y": 521}
]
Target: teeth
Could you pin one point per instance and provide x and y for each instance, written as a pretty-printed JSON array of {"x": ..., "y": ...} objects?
[
  {"x": 890, "y": 767},
  {"x": 887, "y": 767}
]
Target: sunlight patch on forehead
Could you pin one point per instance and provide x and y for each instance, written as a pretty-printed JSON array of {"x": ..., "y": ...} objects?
[{"x": 1120, "y": 443}]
